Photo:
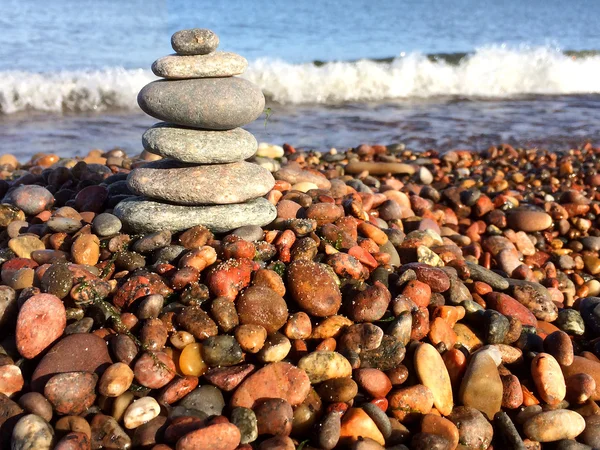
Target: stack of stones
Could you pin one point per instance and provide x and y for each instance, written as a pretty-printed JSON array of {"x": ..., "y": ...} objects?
[{"x": 202, "y": 178}]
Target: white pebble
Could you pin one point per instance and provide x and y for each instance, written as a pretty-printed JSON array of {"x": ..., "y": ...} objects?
[{"x": 141, "y": 411}]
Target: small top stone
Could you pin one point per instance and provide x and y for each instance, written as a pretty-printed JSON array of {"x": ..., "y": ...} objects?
[{"x": 196, "y": 41}]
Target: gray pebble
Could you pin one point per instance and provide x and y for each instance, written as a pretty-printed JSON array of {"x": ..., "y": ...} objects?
[
  {"x": 207, "y": 399},
  {"x": 245, "y": 420},
  {"x": 106, "y": 224},
  {"x": 195, "y": 41}
]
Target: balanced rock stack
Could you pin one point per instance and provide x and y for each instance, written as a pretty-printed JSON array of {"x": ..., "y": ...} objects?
[{"x": 203, "y": 178}]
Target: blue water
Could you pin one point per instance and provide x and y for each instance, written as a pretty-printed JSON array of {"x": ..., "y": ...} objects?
[
  {"x": 70, "y": 70},
  {"x": 42, "y": 35}
]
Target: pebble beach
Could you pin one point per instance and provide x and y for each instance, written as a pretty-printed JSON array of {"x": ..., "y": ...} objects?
[
  {"x": 236, "y": 283},
  {"x": 398, "y": 300}
]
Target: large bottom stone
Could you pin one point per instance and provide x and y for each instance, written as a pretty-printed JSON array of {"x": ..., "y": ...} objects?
[
  {"x": 146, "y": 216},
  {"x": 216, "y": 184}
]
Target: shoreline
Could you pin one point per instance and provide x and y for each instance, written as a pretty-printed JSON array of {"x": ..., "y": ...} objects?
[{"x": 399, "y": 300}]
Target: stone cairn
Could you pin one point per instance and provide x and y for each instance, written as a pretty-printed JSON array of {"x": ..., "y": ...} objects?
[{"x": 202, "y": 178}]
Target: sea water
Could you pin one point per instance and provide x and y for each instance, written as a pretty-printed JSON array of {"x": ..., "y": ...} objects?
[{"x": 430, "y": 74}]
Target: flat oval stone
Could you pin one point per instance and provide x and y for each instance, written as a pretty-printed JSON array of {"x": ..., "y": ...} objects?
[
  {"x": 199, "y": 146},
  {"x": 432, "y": 372},
  {"x": 277, "y": 380},
  {"x": 555, "y": 425},
  {"x": 145, "y": 216},
  {"x": 218, "y": 64},
  {"x": 195, "y": 41},
  {"x": 208, "y": 103},
  {"x": 42, "y": 320},
  {"x": 548, "y": 378},
  {"x": 32, "y": 432},
  {"x": 218, "y": 184}
]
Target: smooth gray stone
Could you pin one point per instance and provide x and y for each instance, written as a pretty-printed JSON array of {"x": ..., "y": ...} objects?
[
  {"x": 146, "y": 216},
  {"x": 209, "y": 103},
  {"x": 220, "y": 184},
  {"x": 218, "y": 64},
  {"x": 195, "y": 41},
  {"x": 250, "y": 233},
  {"x": 207, "y": 399},
  {"x": 199, "y": 146}
]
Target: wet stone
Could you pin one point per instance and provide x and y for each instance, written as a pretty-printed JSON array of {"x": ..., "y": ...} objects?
[
  {"x": 108, "y": 434},
  {"x": 71, "y": 393},
  {"x": 207, "y": 399},
  {"x": 277, "y": 380},
  {"x": 57, "y": 280},
  {"x": 245, "y": 420},
  {"x": 41, "y": 320},
  {"x": 274, "y": 416},
  {"x": 221, "y": 351},
  {"x": 387, "y": 356},
  {"x": 475, "y": 432}
]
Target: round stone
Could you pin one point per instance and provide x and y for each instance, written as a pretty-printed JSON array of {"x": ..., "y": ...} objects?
[
  {"x": 313, "y": 288},
  {"x": 259, "y": 305},
  {"x": 196, "y": 41},
  {"x": 202, "y": 185},
  {"x": 208, "y": 103},
  {"x": 218, "y": 64},
  {"x": 199, "y": 146},
  {"x": 144, "y": 216},
  {"x": 106, "y": 224}
]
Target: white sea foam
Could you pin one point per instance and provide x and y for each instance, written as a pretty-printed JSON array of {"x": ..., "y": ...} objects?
[{"x": 492, "y": 72}]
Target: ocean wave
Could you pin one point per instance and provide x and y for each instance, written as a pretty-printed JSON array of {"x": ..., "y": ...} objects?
[{"x": 491, "y": 72}]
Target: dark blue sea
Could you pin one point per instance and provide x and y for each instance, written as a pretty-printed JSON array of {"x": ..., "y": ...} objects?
[{"x": 431, "y": 74}]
